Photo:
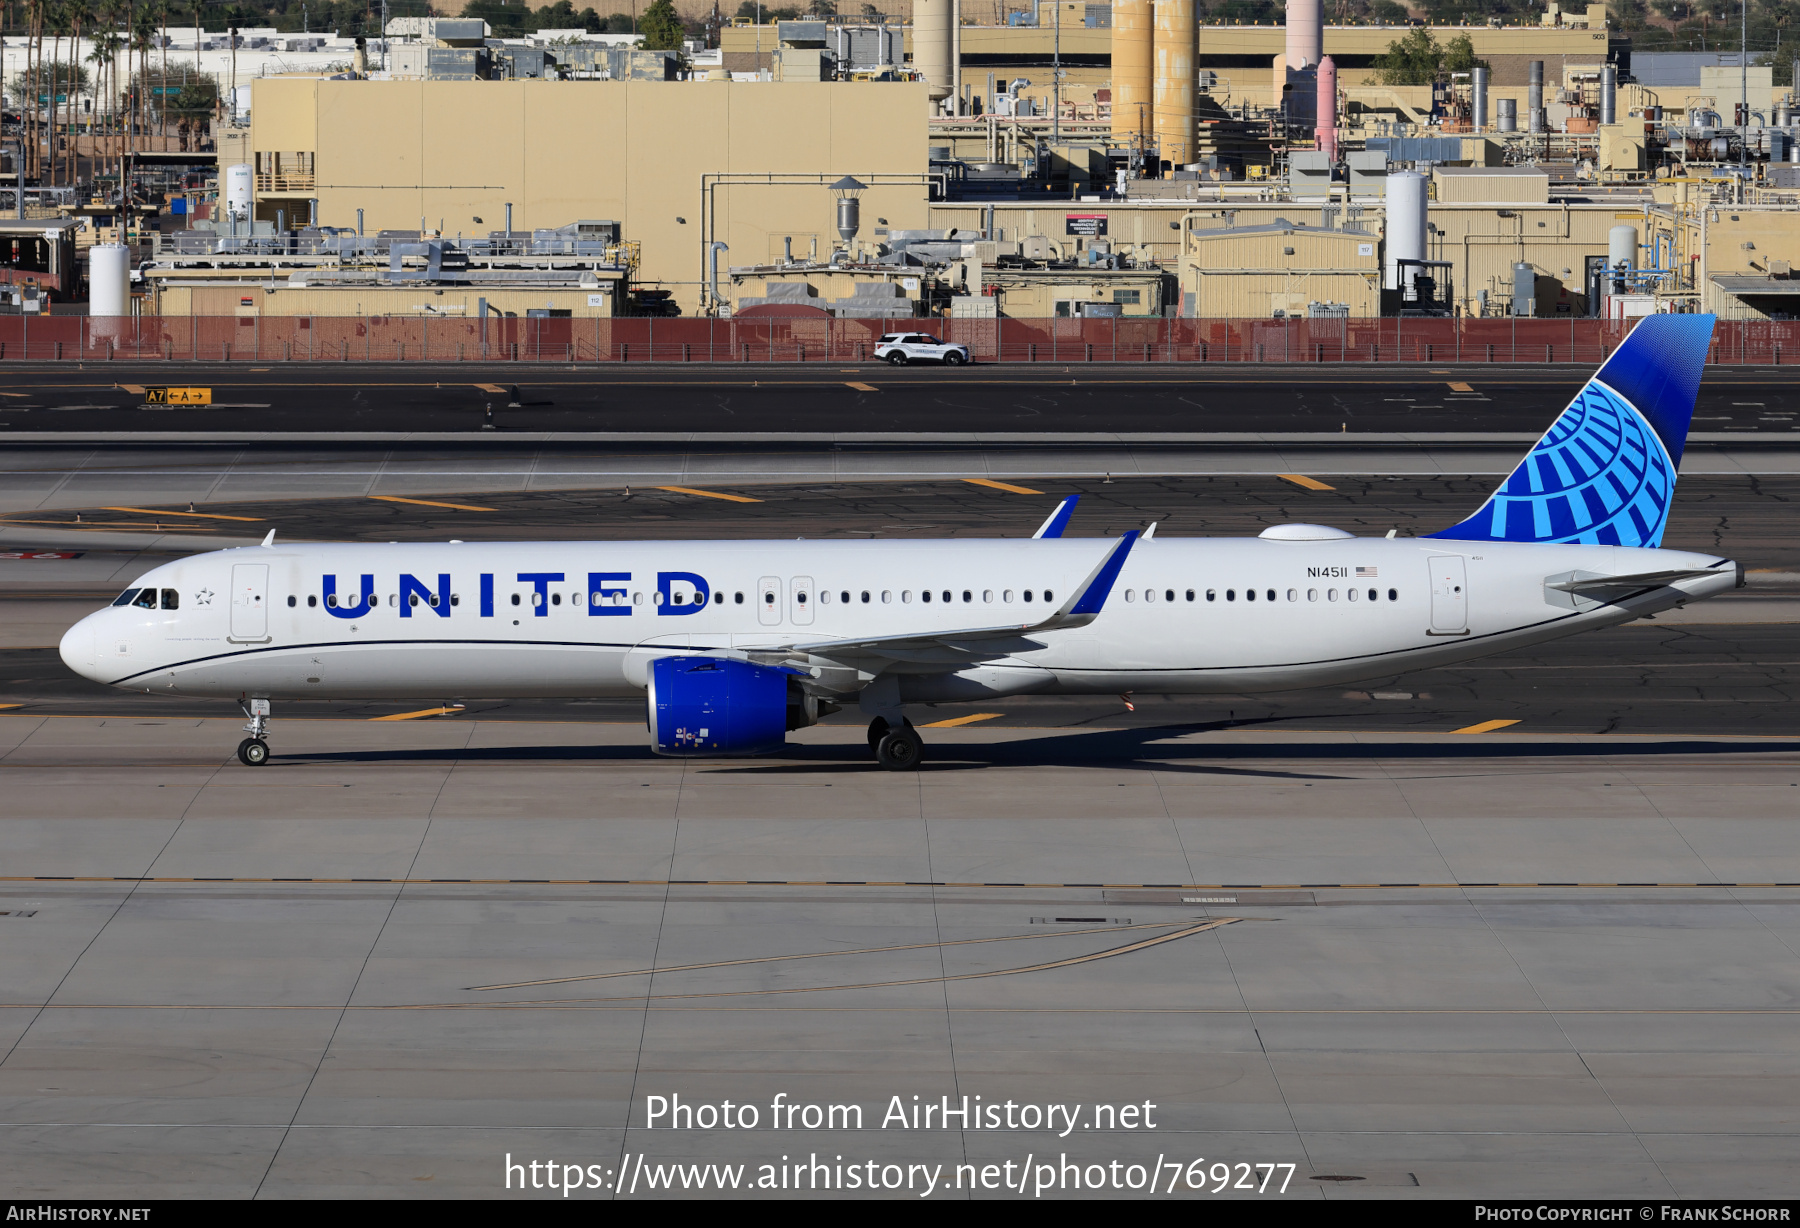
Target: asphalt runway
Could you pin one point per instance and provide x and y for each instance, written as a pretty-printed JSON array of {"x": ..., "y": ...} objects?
[
  {"x": 1522, "y": 927},
  {"x": 99, "y": 398},
  {"x": 387, "y": 964}
]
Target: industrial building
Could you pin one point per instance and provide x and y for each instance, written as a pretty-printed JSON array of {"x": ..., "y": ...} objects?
[{"x": 1120, "y": 159}]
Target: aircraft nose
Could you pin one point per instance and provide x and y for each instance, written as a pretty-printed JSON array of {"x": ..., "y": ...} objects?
[{"x": 77, "y": 649}]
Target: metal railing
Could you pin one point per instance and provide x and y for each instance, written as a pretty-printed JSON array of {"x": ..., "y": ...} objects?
[{"x": 263, "y": 339}]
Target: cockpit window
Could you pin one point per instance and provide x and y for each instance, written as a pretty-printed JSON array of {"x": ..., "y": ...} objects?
[
  {"x": 146, "y": 599},
  {"x": 171, "y": 599},
  {"x": 125, "y": 597}
]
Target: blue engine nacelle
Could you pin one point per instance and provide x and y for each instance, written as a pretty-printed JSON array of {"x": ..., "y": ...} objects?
[{"x": 716, "y": 706}]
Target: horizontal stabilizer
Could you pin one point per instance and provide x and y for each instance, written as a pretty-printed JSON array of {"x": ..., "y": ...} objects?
[{"x": 1646, "y": 579}]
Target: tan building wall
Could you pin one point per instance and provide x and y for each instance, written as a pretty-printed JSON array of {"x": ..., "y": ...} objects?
[
  {"x": 459, "y": 302},
  {"x": 677, "y": 163},
  {"x": 1231, "y": 274}
]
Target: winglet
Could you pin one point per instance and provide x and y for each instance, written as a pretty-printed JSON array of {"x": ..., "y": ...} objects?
[
  {"x": 1094, "y": 593},
  {"x": 270, "y": 539},
  {"x": 1059, "y": 519}
]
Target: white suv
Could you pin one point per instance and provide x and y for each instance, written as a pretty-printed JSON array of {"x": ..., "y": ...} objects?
[{"x": 902, "y": 348}]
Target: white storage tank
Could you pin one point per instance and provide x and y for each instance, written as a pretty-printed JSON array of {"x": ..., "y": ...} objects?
[
  {"x": 1622, "y": 247},
  {"x": 109, "y": 280},
  {"x": 240, "y": 187},
  {"x": 1406, "y": 205}
]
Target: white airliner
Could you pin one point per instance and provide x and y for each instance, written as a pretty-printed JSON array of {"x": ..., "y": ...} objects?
[{"x": 734, "y": 643}]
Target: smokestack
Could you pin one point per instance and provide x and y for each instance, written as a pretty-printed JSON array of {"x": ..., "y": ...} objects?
[
  {"x": 1305, "y": 33},
  {"x": 1327, "y": 112},
  {"x": 1609, "y": 79},
  {"x": 931, "y": 39},
  {"x": 1133, "y": 54},
  {"x": 1478, "y": 83},
  {"x": 1174, "y": 90},
  {"x": 1534, "y": 97}
]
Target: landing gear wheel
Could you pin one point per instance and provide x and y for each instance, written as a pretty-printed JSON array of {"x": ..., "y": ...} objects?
[
  {"x": 253, "y": 752},
  {"x": 896, "y": 359},
  {"x": 900, "y": 750},
  {"x": 877, "y": 730}
]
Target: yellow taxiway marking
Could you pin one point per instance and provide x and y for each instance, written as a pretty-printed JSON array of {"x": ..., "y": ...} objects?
[
  {"x": 773, "y": 959},
  {"x": 1142, "y": 944},
  {"x": 861, "y": 387},
  {"x": 152, "y": 511},
  {"x": 456, "y": 507},
  {"x": 1008, "y": 486},
  {"x": 1300, "y": 479},
  {"x": 1459, "y": 386},
  {"x": 413, "y": 716},
  {"x": 136, "y": 390},
  {"x": 709, "y": 494},
  {"x": 490, "y": 387},
  {"x": 954, "y": 721},
  {"x": 1485, "y": 727},
  {"x": 12, "y": 705}
]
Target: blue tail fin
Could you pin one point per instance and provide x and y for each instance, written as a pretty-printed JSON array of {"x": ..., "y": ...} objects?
[{"x": 1604, "y": 473}]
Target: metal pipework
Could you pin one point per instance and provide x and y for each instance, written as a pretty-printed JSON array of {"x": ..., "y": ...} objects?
[
  {"x": 717, "y": 247},
  {"x": 1534, "y": 97},
  {"x": 1478, "y": 98}
]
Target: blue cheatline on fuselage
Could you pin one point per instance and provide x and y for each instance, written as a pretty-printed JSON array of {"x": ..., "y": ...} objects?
[{"x": 1604, "y": 473}]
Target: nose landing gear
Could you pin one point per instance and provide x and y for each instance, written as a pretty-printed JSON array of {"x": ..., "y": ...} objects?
[{"x": 253, "y": 751}]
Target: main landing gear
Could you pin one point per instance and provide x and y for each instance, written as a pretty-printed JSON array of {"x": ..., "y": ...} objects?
[
  {"x": 897, "y": 750},
  {"x": 253, "y": 751}
]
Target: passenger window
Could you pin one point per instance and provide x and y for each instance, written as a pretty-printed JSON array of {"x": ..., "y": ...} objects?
[
  {"x": 172, "y": 599},
  {"x": 845, "y": 596},
  {"x": 987, "y": 595},
  {"x": 1393, "y": 594},
  {"x": 738, "y": 599},
  {"x": 718, "y": 598},
  {"x": 1149, "y": 594},
  {"x": 515, "y": 599},
  {"x": 1048, "y": 595},
  {"x": 637, "y": 599},
  {"x": 1190, "y": 594},
  {"x": 1027, "y": 594},
  {"x": 1231, "y": 594},
  {"x": 1293, "y": 594},
  {"x": 331, "y": 601},
  {"x": 1249, "y": 594},
  {"x": 1331, "y": 594},
  {"x": 292, "y": 602},
  {"x": 968, "y": 596},
  {"x": 769, "y": 599},
  {"x": 125, "y": 597},
  {"x": 1006, "y": 596},
  {"x": 946, "y": 596},
  {"x": 1373, "y": 596},
  {"x": 1351, "y": 593},
  {"x": 1271, "y": 594},
  {"x": 887, "y": 595},
  {"x": 146, "y": 599},
  {"x": 1169, "y": 595},
  {"x": 1212, "y": 594},
  {"x": 312, "y": 601},
  {"x": 801, "y": 597},
  {"x": 1131, "y": 594},
  {"x": 925, "y": 596},
  {"x": 905, "y": 596},
  {"x": 537, "y": 599},
  {"x": 865, "y": 596},
  {"x": 1312, "y": 594}
]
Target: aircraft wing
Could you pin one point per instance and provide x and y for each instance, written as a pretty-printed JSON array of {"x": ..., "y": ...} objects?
[{"x": 956, "y": 647}]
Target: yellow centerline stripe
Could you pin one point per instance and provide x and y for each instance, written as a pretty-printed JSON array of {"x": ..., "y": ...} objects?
[
  {"x": 1485, "y": 727},
  {"x": 413, "y": 716},
  {"x": 709, "y": 494},
  {"x": 1302, "y": 480},
  {"x": 153, "y": 511},
  {"x": 1007, "y": 486},
  {"x": 457, "y": 507},
  {"x": 954, "y": 721}
]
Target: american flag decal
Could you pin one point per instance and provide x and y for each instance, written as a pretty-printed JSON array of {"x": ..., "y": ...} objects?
[{"x": 1366, "y": 573}]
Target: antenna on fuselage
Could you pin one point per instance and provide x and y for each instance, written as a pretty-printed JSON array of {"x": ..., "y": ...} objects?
[{"x": 269, "y": 541}]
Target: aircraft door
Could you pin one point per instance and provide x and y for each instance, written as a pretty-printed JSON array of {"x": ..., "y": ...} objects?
[
  {"x": 1449, "y": 594},
  {"x": 249, "y": 601},
  {"x": 801, "y": 598},
  {"x": 768, "y": 601}
]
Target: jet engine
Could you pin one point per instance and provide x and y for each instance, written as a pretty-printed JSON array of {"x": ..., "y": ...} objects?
[{"x": 720, "y": 706}]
